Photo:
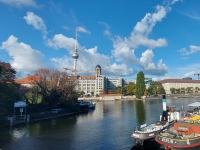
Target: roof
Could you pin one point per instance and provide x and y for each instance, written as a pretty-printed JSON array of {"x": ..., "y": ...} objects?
[
  {"x": 196, "y": 104},
  {"x": 179, "y": 81},
  {"x": 28, "y": 79},
  {"x": 87, "y": 77},
  {"x": 98, "y": 66}
]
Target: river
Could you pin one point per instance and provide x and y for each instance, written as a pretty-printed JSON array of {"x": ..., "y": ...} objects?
[{"x": 107, "y": 127}]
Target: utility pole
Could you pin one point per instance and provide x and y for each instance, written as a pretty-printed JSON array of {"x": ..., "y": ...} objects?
[{"x": 198, "y": 75}]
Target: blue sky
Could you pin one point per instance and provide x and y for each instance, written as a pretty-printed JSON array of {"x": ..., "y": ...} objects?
[{"x": 160, "y": 38}]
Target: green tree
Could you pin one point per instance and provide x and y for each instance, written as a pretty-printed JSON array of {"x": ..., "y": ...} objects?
[
  {"x": 130, "y": 88},
  {"x": 140, "y": 85},
  {"x": 92, "y": 93},
  {"x": 172, "y": 90},
  {"x": 9, "y": 90},
  {"x": 156, "y": 88},
  {"x": 82, "y": 93},
  {"x": 118, "y": 90}
]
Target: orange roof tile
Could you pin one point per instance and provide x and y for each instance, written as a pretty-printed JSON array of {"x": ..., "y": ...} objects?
[{"x": 28, "y": 79}]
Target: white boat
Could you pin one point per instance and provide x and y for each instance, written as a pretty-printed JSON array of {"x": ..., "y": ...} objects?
[{"x": 169, "y": 116}]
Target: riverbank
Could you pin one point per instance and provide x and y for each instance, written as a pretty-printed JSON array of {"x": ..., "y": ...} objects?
[
  {"x": 159, "y": 96},
  {"x": 32, "y": 118}
]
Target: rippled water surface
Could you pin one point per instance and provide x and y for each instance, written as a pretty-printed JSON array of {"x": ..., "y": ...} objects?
[{"x": 108, "y": 127}]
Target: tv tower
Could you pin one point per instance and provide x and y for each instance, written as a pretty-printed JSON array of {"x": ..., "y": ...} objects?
[{"x": 75, "y": 56}]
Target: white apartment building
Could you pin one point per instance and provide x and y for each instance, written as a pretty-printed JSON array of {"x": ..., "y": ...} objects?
[
  {"x": 98, "y": 83},
  {"x": 178, "y": 84}
]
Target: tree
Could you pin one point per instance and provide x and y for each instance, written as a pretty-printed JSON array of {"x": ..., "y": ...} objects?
[
  {"x": 92, "y": 93},
  {"x": 82, "y": 93},
  {"x": 145, "y": 92},
  {"x": 118, "y": 90},
  {"x": 7, "y": 73},
  {"x": 140, "y": 85},
  {"x": 130, "y": 88},
  {"x": 172, "y": 90},
  {"x": 156, "y": 88},
  {"x": 56, "y": 88},
  {"x": 9, "y": 90}
]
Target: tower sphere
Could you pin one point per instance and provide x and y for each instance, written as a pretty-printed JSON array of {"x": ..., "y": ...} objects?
[{"x": 75, "y": 56}]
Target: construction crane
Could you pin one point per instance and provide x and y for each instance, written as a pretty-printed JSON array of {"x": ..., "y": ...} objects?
[
  {"x": 72, "y": 70},
  {"x": 198, "y": 75}
]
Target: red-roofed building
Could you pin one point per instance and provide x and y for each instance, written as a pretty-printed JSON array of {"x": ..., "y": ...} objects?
[
  {"x": 179, "y": 83},
  {"x": 28, "y": 81},
  {"x": 97, "y": 83}
]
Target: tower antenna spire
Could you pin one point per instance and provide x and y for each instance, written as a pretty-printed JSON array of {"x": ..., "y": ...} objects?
[{"x": 75, "y": 55}]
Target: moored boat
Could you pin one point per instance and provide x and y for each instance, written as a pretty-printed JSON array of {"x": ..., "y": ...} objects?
[
  {"x": 167, "y": 119},
  {"x": 83, "y": 106},
  {"x": 184, "y": 134},
  {"x": 91, "y": 105}
]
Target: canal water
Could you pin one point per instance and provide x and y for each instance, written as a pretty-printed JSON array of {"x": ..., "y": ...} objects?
[{"x": 107, "y": 127}]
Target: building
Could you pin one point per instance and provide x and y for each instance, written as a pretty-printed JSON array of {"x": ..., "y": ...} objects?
[
  {"x": 112, "y": 83},
  {"x": 179, "y": 84},
  {"x": 28, "y": 81},
  {"x": 147, "y": 82},
  {"x": 98, "y": 83}
]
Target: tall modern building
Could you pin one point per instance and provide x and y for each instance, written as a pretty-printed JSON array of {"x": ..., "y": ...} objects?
[{"x": 75, "y": 56}]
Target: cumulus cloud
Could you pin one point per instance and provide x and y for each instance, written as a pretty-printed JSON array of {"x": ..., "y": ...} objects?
[
  {"x": 124, "y": 48},
  {"x": 19, "y": 3},
  {"x": 61, "y": 41},
  {"x": 193, "y": 49},
  {"x": 37, "y": 22},
  {"x": 81, "y": 29},
  {"x": 189, "y": 74},
  {"x": 124, "y": 60},
  {"x": 88, "y": 58},
  {"x": 23, "y": 57},
  {"x": 146, "y": 62}
]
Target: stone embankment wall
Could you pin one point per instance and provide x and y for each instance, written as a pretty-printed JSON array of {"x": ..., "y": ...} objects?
[{"x": 108, "y": 97}]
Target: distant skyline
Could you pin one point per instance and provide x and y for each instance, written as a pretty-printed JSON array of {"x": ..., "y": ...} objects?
[{"x": 160, "y": 38}]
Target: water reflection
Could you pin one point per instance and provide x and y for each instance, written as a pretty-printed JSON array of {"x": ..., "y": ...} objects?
[
  {"x": 140, "y": 111},
  {"x": 108, "y": 126}
]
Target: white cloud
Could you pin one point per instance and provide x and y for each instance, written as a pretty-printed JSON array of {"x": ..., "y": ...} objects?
[
  {"x": 106, "y": 32},
  {"x": 149, "y": 67},
  {"x": 189, "y": 74},
  {"x": 65, "y": 27},
  {"x": 144, "y": 27},
  {"x": 124, "y": 48},
  {"x": 174, "y": 1},
  {"x": 81, "y": 29},
  {"x": 61, "y": 41},
  {"x": 193, "y": 49},
  {"x": 184, "y": 71},
  {"x": 23, "y": 57},
  {"x": 88, "y": 58},
  {"x": 36, "y": 22},
  {"x": 19, "y": 3}
]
